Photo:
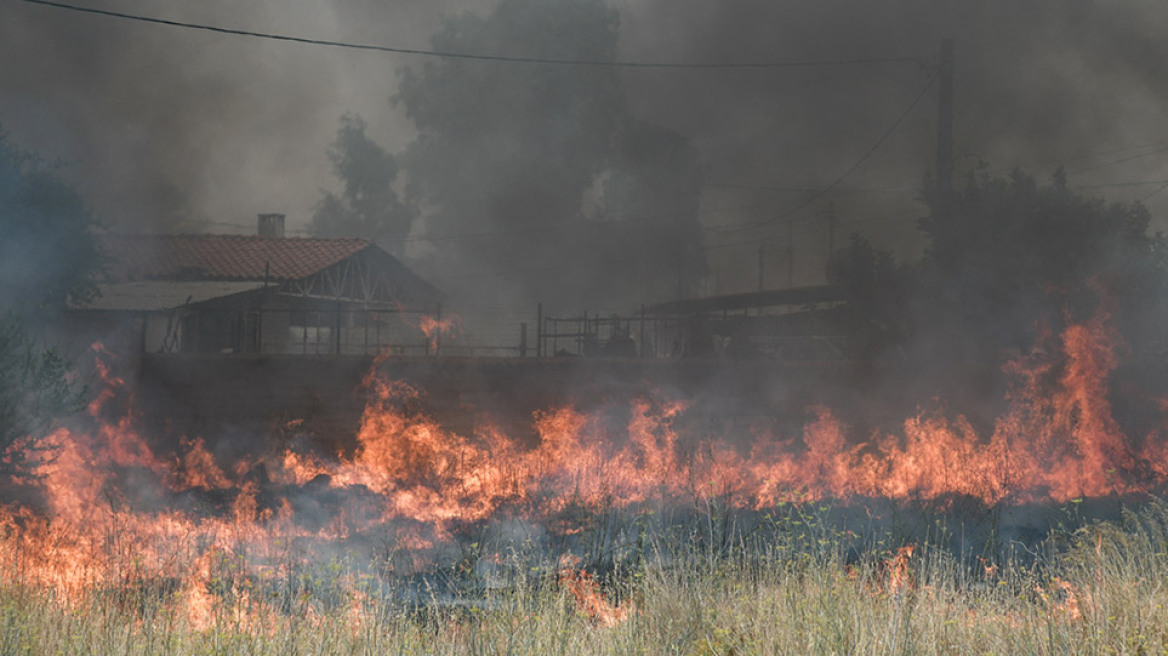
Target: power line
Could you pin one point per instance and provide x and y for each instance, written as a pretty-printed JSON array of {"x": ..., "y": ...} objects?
[
  {"x": 1120, "y": 160},
  {"x": 900, "y": 189},
  {"x": 1157, "y": 191},
  {"x": 551, "y": 227},
  {"x": 660, "y": 218},
  {"x": 851, "y": 169},
  {"x": 525, "y": 271},
  {"x": 1135, "y": 183},
  {"x": 1162, "y": 185},
  {"x": 1075, "y": 158},
  {"x": 781, "y": 238},
  {"x": 919, "y": 61}
]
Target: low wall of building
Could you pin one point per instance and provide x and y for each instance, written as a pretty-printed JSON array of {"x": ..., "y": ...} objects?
[{"x": 240, "y": 401}]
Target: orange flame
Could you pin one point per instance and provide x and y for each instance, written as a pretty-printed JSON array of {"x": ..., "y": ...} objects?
[
  {"x": 590, "y": 601},
  {"x": 1061, "y": 598},
  {"x": 434, "y": 328},
  {"x": 110, "y": 519},
  {"x": 899, "y": 579}
]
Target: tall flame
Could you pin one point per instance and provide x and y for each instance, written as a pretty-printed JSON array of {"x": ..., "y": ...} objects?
[{"x": 118, "y": 515}]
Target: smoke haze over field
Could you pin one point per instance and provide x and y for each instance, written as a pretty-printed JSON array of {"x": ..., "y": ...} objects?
[
  {"x": 987, "y": 351},
  {"x": 176, "y": 130}
]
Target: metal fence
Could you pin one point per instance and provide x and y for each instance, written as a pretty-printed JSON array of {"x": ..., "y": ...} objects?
[
  {"x": 679, "y": 336},
  {"x": 492, "y": 332}
]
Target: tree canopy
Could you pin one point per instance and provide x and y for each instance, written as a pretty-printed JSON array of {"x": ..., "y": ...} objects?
[
  {"x": 49, "y": 252},
  {"x": 48, "y": 255},
  {"x": 1009, "y": 261},
  {"x": 368, "y": 206},
  {"x": 548, "y": 164}
]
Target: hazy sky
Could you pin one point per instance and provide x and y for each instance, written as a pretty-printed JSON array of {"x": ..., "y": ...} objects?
[{"x": 172, "y": 129}]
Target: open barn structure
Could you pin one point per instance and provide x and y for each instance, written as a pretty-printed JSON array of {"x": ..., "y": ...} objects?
[{"x": 262, "y": 294}]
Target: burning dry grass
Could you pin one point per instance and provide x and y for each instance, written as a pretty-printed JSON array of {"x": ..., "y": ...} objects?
[
  {"x": 1102, "y": 588},
  {"x": 425, "y": 540}
]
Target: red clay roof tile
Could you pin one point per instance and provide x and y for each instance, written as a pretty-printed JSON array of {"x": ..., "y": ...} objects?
[{"x": 221, "y": 257}]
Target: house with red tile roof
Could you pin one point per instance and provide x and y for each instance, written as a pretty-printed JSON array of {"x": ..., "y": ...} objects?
[{"x": 263, "y": 293}]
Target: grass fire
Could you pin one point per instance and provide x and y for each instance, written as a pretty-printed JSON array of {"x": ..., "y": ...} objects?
[
  {"x": 597, "y": 530},
  {"x": 583, "y": 327}
]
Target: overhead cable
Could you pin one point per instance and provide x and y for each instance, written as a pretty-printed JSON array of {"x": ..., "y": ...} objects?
[
  {"x": 919, "y": 61},
  {"x": 844, "y": 176}
]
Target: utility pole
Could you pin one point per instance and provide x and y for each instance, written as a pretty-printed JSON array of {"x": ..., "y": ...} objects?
[
  {"x": 945, "y": 127},
  {"x": 761, "y": 260}
]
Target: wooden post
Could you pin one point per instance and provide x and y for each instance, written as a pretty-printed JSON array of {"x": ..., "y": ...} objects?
[
  {"x": 523, "y": 339},
  {"x": 761, "y": 261},
  {"x": 142, "y": 344},
  {"x": 196, "y": 341},
  {"x": 240, "y": 328},
  {"x": 317, "y": 321},
  {"x": 539, "y": 353},
  {"x": 642, "y": 338},
  {"x": 304, "y": 338}
]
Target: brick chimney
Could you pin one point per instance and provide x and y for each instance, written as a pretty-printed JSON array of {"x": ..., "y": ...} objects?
[{"x": 270, "y": 226}]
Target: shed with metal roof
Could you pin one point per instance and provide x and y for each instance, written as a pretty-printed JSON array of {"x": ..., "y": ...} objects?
[{"x": 263, "y": 293}]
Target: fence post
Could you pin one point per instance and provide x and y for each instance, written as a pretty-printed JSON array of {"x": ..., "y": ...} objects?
[
  {"x": 642, "y": 339},
  {"x": 142, "y": 344},
  {"x": 539, "y": 330},
  {"x": 523, "y": 339}
]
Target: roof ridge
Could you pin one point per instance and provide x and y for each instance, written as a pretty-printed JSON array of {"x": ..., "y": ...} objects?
[
  {"x": 208, "y": 235},
  {"x": 226, "y": 256}
]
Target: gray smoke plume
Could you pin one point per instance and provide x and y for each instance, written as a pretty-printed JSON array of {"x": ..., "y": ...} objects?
[{"x": 168, "y": 129}]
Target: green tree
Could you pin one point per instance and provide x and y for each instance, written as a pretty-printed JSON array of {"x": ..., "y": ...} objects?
[
  {"x": 34, "y": 390},
  {"x": 48, "y": 256},
  {"x": 877, "y": 316},
  {"x": 1010, "y": 262},
  {"x": 547, "y": 163},
  {"x": 49, "y": 252},
  {"x": 1010, "y": 257},
  {"x": 368, "y": 206}
]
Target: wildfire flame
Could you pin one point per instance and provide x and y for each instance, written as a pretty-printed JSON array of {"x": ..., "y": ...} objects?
[
  {"x": 899, "y": 578},
  {"x": 118, "y": 515},
  {"x": 590, "y": 601},
  {"x": 1061, "y": 598},
  {"x": 434, "y": 328}
]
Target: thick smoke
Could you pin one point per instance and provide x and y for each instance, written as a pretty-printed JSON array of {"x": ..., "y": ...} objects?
[
  {"x": 172, "y": 130},
  {"x": 167, "y": 129},
  {"x": 550, "y": 167}
]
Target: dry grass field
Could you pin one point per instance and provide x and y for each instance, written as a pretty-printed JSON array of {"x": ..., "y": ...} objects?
[{"x": 1100, "y": 588}]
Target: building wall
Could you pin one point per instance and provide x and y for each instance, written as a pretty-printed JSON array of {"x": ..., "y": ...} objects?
[{"x": 245, "y": 402}]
